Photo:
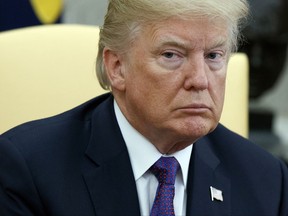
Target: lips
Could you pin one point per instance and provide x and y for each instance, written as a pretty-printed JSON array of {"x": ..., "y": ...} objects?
[{"x": 195, "y": 108}]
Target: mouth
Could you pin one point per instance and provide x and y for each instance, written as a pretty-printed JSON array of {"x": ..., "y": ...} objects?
[{"x": 195, "y": 108}]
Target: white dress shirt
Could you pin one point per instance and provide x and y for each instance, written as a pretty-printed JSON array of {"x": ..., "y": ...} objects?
[{"x": 143, "y": 154}]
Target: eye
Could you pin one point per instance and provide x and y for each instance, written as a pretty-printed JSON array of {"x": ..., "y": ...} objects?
[
  {"x": 169, "y": 55},
  {"x": 214, "y": 55},
  {"x": 215, "y": 60},
  {"x": 171, "y": 59}
]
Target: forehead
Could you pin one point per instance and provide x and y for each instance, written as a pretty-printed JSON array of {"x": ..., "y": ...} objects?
[{"x": 187, "y": 33}]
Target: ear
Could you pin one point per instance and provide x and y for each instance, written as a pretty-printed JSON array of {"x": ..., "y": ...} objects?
[{"x": 114, "y": 68}]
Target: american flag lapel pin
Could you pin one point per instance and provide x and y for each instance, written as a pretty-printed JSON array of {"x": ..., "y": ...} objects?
[{"x": 216, "y": 195}]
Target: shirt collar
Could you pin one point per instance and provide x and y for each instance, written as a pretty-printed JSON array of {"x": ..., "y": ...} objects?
[{"x": 143, "y": 154}]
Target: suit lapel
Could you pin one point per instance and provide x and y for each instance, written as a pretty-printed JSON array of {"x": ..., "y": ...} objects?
[
  {"x": 106, "y": 169},
  {"x": 205, "y": 170}
]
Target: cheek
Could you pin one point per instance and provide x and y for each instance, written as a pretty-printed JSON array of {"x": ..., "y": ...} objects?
[
  {"x": 152, "y": 87},
  {"x": 150, "y": 99},
  {"x": 150, "y": 81},
  {"x": 217, "y": 88},
  {"x": 141, "y": 89},
  {"x": 218, "y": 92}
]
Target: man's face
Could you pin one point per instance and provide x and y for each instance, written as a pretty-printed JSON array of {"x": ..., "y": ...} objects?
[{"x": 174, "y": 81}]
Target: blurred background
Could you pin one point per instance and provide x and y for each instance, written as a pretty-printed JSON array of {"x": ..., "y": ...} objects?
[{"x": 265, "y": 43}]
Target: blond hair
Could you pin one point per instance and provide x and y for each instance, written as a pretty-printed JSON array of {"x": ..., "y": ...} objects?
[{"x": 125, "y": 18}]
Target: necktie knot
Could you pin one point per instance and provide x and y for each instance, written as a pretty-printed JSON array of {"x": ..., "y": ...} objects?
[{"x": 165, "y": 170}]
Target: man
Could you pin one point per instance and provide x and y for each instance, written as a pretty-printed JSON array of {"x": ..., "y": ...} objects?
[{"x": 153, "y": 146}]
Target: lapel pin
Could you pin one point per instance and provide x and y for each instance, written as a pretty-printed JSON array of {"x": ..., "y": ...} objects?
[{"x": 216, "y": 195}]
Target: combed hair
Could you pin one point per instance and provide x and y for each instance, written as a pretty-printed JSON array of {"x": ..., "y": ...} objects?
[{"x": 125, "y": 18}]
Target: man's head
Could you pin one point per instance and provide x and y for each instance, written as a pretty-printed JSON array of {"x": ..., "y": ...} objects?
[{"x": 166, "y": 62}]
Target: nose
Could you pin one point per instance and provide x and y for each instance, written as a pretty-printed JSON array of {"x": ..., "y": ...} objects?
[{"x": 196, "y": 75}]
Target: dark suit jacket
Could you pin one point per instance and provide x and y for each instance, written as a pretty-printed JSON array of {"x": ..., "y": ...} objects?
[{"x": 77, "y": 164}]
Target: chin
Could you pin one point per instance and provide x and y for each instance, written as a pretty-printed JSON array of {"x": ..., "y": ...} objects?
[{"x": 198, "y": 130}]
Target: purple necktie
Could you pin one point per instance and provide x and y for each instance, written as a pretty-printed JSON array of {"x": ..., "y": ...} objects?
[{"x": 165, "y": 170}]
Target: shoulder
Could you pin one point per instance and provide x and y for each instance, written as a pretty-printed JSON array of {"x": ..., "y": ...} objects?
[
  {"x": 239, "y": 153},
  {"x": 64, "y": 128},
  {"x": 227, "y": 139},
  {"x": 254, "y": 172}
]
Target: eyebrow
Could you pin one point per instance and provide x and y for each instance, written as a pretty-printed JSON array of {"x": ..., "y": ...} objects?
[
  {"x": 174, "y": 41},
  {"x": 222, "y": 42},
  {"x": 171, "y": 41}
]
